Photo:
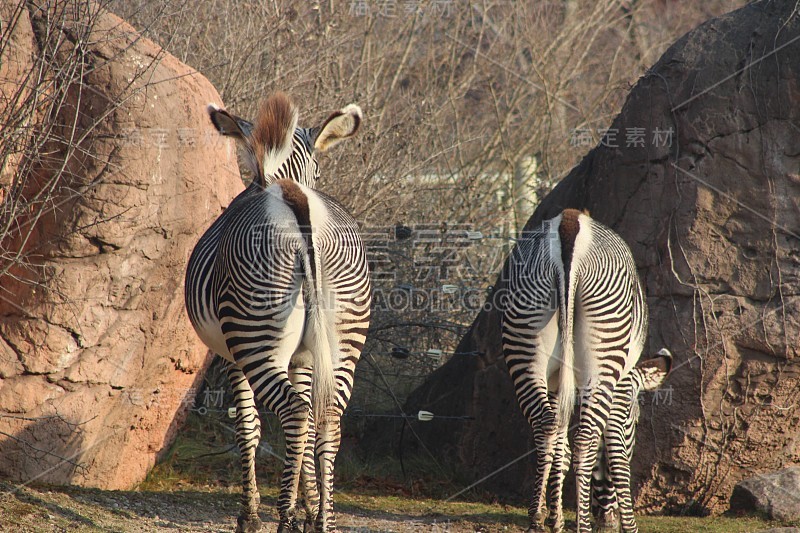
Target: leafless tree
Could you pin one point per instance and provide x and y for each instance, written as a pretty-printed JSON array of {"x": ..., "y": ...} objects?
[{"x": 474, "y": 111}]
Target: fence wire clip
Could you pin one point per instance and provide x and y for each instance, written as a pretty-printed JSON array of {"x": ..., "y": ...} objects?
[
  {"x": 434, "y": 353},
  {"x": 424, "y": 416}
]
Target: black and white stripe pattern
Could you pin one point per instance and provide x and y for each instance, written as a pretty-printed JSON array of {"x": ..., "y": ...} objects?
[
  {"x": 611, "y": 479},
  {"x": 299, "y": 167},
  {"x": 575, "y": 317},
  {"x": 279, "y": 286}
]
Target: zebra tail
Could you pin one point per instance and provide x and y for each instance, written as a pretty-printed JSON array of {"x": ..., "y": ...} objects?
[
  {"x": 321, "y": 334},
  {"x": 568, "y": 230},
  {"x": 566, "y": 387}
]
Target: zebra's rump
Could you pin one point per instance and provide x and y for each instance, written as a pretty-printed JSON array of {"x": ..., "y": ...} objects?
[{"x": 251, "y": 254}]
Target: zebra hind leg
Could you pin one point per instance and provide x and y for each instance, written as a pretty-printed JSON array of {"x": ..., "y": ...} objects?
[
  {"x": 546, "y": 442},
  {"x": 621, "y": 477},
  {"x": 294, "y": 417},
  {"x": 593, "y": 416},
  {"x": 300, "y": 375},
  {"x": 586, "y": 444},
  {"x": 555, "y": 519},
  {"x": 276, "y": 392},
  {"x": 248, "y": 435},
  {"x": 604, "y": 496},
  {"x": 533, "y": 400},
  {"x": 308, "y": 479},
  {"x": 329, "y": 437}
]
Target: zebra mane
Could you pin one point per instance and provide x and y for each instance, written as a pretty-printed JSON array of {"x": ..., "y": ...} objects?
[{"x": 273, "y": 132}]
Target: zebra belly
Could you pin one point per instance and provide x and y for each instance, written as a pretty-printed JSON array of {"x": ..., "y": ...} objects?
[{"x": 210, "y": 333}]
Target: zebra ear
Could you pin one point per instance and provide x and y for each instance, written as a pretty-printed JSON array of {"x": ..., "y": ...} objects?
[
  {"x": 339, "y": 126},
  {"x": 228, "y": 124},
  {"x": 654, "y": 371},
  {"x": 240, "y": 129}
]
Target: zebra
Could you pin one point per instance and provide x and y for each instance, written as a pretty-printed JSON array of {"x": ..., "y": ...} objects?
[
  {"x": 279, "y": 287},
  {"x": 574, "y": 315},
  {"x": 611, "y": 478}
]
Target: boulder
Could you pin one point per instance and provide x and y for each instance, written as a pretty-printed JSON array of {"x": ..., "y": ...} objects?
[
  {"x": 701, "y": 180},
  {"x": 98, "y": 362},
  {"x": 17, "y": 52},
  {"x": 776, "y": 494}
]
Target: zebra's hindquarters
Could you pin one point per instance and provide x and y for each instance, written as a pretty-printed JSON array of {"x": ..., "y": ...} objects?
[
  {"x": 263, "y": 290},
  {"x": 200, "y": 283},
  {"x": 609, "y": 328},
  {"x": 600, "y": 317},
  {"x": 533, "y": 349}
]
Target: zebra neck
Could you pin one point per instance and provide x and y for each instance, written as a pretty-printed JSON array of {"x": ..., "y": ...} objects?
[{"x": 263, "y": 181}]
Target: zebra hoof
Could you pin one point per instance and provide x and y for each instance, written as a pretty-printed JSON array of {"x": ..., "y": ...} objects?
[
  {"x": 607, "y": 522},
  {"x": 605, "y": 528},
  {"x": 325, "y": 523},
  {"x": 555, "y": 525},
  {"x": 248, "y": 524}
]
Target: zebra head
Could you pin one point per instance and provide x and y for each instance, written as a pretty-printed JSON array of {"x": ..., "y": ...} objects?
[{"x": 275, "y": 148}]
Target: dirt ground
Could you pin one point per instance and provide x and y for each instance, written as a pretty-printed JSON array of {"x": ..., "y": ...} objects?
[
  {"x": 37, "y": 509},
  {"x": 193, "y": 508}
]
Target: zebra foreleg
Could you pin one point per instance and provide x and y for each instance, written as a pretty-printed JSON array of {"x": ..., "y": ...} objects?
[{"x": 248, "y": 435}]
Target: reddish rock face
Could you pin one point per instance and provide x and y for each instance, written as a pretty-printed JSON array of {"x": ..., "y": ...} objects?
[
  {"x": 97, "y": 358},
  {"x": 708, "y": 204}
]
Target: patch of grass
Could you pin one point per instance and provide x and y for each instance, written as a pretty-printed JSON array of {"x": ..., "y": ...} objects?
[
  {"x": 79, "y": 509},
  {"x": 419, "y": 477},
  {"x": 370, "y": 504},
  {"x": 497, "y": 516},
  {"x": 17, "y": 510},
  {"x": 205, "y": 459},
  {"x": 715, "y": 524},
  {"x": 205, "y": 455}
]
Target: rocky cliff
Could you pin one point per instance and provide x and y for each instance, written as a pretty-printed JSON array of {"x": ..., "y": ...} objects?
[
  {"x": 114, "y": 174},
  {"x": 700, "y": 174}
]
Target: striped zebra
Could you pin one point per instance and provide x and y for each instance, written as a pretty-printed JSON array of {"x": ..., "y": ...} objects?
[
  {"x": 574, "y": 317},
  {"x": 611, "y": 479},
  {"x": 279, "y": 287}
]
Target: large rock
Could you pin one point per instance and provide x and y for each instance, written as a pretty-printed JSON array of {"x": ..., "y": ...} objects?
[
  {"x": 776, "y": 494},
  {"x": 707, "y": 198},
  {"x": 97, "y": 359}
]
